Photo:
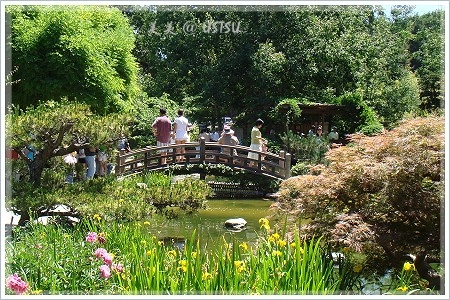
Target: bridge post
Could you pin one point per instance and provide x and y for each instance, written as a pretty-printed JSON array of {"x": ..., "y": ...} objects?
[
  {"x": 287, "y": 166},
  {"x": 145, "y": 160},
  {"x": 281, "y": 162},
  {"x": 202, "y": 149},
  {"x": 202, "y": 156},
  {"x": 119, "y": 161}
]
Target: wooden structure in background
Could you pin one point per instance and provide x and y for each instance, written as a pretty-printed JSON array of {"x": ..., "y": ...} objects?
[{"x": 317, "y": 114}]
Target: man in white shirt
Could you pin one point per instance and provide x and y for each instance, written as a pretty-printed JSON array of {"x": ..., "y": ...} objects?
[{"x": 180, "y": 127}]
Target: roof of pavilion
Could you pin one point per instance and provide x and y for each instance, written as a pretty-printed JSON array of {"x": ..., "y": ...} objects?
[{"x": 320, "y": 108}]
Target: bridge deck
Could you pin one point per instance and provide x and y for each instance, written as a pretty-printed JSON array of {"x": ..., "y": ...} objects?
[{"x": 150, "y": 158}]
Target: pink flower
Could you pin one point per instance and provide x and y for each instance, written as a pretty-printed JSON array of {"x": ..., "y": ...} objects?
[
  {"x": 117, "y": 268},
  {"x": 16, "y": 284},
  {"x": 91, "y": 237},
  {"x": 107, "y": 258},
  {"x": 100, "y": 252},
  {"x": 105, "y": 272}
]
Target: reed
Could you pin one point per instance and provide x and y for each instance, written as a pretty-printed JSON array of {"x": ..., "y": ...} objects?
[{"x": 100, "y": 257}]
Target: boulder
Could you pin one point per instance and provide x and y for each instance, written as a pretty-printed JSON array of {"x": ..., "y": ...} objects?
[
  {"x": 235, "y": 224},
  {"x": 142, "y": 185},
  {"x": 272, "y": 195}
]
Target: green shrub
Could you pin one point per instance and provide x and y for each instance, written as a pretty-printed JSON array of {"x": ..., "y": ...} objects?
[
  {"x": 372, "y": 129},
  {"x": 300, "y": 168},
  {"x": 309, "y": 149},
  {"x": 356, "y": 114},
  {"x": 132, "y": 198},
  {"x": 375, "y": 195}
]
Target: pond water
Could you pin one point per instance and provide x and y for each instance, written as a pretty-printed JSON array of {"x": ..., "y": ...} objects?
[{"x": 209, "y": 222}]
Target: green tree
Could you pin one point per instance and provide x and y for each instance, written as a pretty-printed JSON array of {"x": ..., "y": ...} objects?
[
  {"x": 398, "y": 98},
  {"x": 57, "y": 129},
  {"x": 427, "y": 61},
  {"x": 357, "y": 115},
  {"x": 289, "y": 111},
  {"x": 54, "y": 129},
  {"x": 81, "y": 53},
  {"x": 312, "y": 52},
  {"x": 268, "y": 66},
  {"x": 146, "y": 111}
]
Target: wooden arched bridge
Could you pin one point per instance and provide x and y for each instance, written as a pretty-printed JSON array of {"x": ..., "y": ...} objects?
[{"x": 149, "y": 158}]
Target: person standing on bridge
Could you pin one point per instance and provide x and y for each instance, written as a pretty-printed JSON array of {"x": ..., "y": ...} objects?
[
  {"x": 228, "y": 138},
  {"x": 161, "y": 129},
  {"x": 180, "y": 127},
  {"x": 257, "y": 141}
]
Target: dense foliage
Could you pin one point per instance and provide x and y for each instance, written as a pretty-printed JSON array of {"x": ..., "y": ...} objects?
[
  {"x": 238, "y": 61},
  {"x": 266, "y": 54},
  {"x": 380, "y": 195},
  {"x": 427, "y": 61},
  {"x": 129, "y": 199},
  {"x": 77, "y": 52}
]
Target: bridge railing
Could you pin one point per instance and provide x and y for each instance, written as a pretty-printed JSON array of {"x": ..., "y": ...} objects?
[{"x": 150, "y": 158}]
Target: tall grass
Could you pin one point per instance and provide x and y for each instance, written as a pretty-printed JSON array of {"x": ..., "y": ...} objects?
[{"x": 54, "y": 260}]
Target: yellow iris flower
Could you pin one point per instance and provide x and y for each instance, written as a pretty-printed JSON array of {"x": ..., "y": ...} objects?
[
  {"x": 402, "y": 288},
  {"x": 407, "y": 266}
]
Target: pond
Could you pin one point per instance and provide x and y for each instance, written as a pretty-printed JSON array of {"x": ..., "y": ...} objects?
[{"x": 209, "y": 222}]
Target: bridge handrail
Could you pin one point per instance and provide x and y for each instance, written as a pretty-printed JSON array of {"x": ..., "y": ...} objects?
[
  {"x": 197, "y": 144},
  {"x": 203, "y": 149}
]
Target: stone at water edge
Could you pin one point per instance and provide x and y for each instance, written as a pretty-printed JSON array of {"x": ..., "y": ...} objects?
[
  {"x": 273, "y": 195},
  {"x": 237, "y": 223}
]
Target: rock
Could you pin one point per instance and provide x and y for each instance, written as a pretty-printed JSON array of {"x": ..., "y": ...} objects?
[
  {"x": 235, "y": 224},
  {"x": 272, "y": 195},
  {"x": 426, "y": 271},
  {"x": 141, "y": 185},
  {"x": 337, "y": 257}
]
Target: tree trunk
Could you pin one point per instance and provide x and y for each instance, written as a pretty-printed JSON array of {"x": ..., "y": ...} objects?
[
  {"x": 24, "y": 218},
  {"x": 36, "y": 167}
]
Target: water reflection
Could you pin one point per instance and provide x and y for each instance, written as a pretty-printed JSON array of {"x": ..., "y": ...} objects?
[{"x": 209, "y": 222}]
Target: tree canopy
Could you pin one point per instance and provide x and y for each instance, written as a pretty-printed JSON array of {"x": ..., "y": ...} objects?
[
  {"x": 316, "y": 53},
  {"x": 224, "y": 60},
  {"x": 81, "y": 53}
]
